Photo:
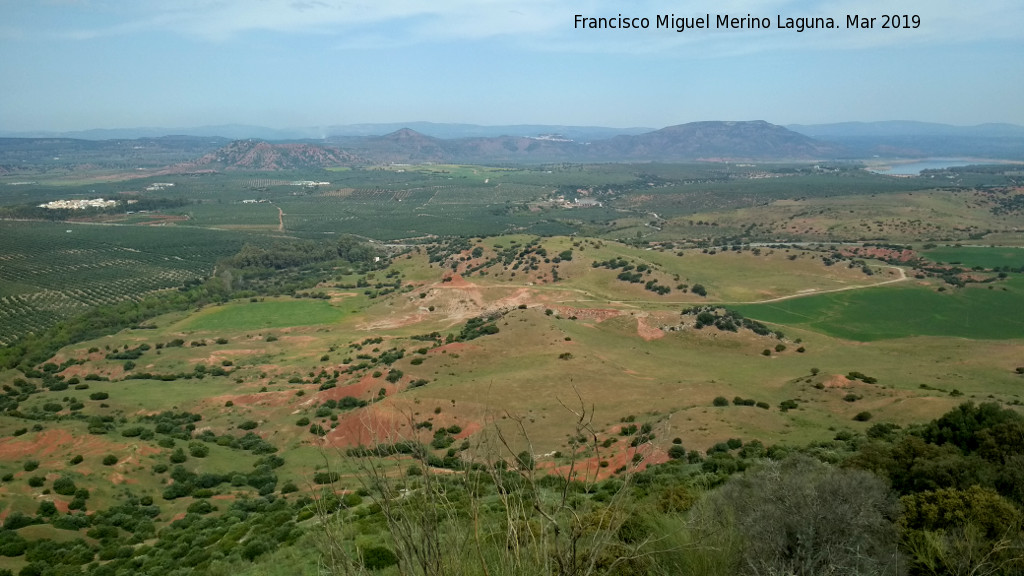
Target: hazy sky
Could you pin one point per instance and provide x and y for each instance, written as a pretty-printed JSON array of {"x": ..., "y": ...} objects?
[{"x": 78, "y": 64}]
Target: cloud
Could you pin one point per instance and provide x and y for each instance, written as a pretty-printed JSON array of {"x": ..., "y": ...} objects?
[{"x": 540, "y": 25}]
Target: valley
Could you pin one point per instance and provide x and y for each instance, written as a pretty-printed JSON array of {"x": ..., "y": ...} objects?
[{"x": 218, "y": 369}]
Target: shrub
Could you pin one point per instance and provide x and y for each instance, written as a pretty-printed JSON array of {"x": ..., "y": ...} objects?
[
  {"x": 720, "y": 401},
  {"x": 76, "y": 459},
  {"x": 64, "y": 486},
  {"x": 326, "y": 477},
  {"x": 36, "y": 481},
  {"x": 30, "y": 465},
  {"x": 378, "y": 557},
  {"x": 109, "y": 460},
  {"x": 862, "y": 416},
  {"x": 46, "y": 508},
  {"x": 248, "y": 425},
  {"x": 677, "y": 452}
]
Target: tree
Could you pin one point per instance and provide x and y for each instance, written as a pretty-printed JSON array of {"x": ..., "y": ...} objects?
[
  {"x": 677, "y": 452},
  {"x": 802, "y": 517}
]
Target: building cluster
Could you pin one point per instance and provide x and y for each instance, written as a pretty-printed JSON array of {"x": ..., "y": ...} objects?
[{"x": 79, "y": 204}]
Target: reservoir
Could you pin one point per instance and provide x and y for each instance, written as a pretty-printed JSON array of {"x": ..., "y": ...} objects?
[{"x": 915, "y": 168}]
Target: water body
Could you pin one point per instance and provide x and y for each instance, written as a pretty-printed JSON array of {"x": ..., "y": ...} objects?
[{"x": 915, "y": 168}]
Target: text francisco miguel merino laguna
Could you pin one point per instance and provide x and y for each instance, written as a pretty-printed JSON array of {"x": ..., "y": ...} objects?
[{"x": 748, "y": 22}]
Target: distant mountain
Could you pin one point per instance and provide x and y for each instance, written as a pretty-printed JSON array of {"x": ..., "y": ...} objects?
[
  {"x": 756, "y": 140},
  {"x": 921, "y": 139},
  {"x": 451, "y": 131},
  {"x": 261, "y": 155},
  {"x": 696, "y": 141},
  {"x": 226, "y": 131},
  {"x": 897, "y": 128},
  {"x": 243, "y": 132},
  {"x": 32, "y": 154}
]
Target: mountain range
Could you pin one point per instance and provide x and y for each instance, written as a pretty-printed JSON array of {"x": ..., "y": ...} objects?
[{"x": 695, "y": 141}]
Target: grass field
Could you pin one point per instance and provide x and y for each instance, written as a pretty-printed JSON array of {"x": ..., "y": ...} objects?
[
  {"x": 268, "y": 314},
  {"x": 902, "y": 311},
  {"x": 985, "y": 256}
]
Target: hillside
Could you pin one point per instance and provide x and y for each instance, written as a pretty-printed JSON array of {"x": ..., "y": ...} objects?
[
  {"x": 696, "y": 141},
  {"x": 266, "y": 156},
  {"x": 756, "y": 140}
]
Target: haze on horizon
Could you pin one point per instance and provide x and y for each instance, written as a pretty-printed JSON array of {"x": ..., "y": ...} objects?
[{"x": 82, "y": 64}]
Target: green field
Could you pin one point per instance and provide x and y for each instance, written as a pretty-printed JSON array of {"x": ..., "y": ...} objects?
[
  {"x": 903, "y": 311},
  {"x": 267, "y": 314},
  {"x": 984, "y": 256}
]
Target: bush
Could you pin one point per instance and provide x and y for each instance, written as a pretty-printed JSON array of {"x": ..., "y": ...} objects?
[
  {"x": 862, "y": 416},
  {"x": 326, "y": 477},
  {"x": 46, "y": 508},
  {"x": 36, "y": 481},
  {"x": 720, "y": 401},
  {"x": 677, "y": 452},
  {"x": 248, "y": 425},
  {"x": 198, "y": 450},
  {"x": 109, "y": 460},
  {"x": 30, "y": 465},
  {"x": 64, "y": 486},
  {"x": 378, "y": 557}
]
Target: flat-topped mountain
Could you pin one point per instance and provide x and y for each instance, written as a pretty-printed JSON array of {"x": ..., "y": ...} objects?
[{"x": 756, "y": 140}]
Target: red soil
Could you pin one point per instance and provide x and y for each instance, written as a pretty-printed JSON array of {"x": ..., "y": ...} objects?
[
  {"x": 591, "y": 470},
  {"x": 838, "y": 381},
  {"x": 646, "y": 331},
  {"x": 880, "y": 254}
]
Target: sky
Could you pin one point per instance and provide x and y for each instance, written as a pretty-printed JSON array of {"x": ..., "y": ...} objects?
[{"x": 83, "y": 64}]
